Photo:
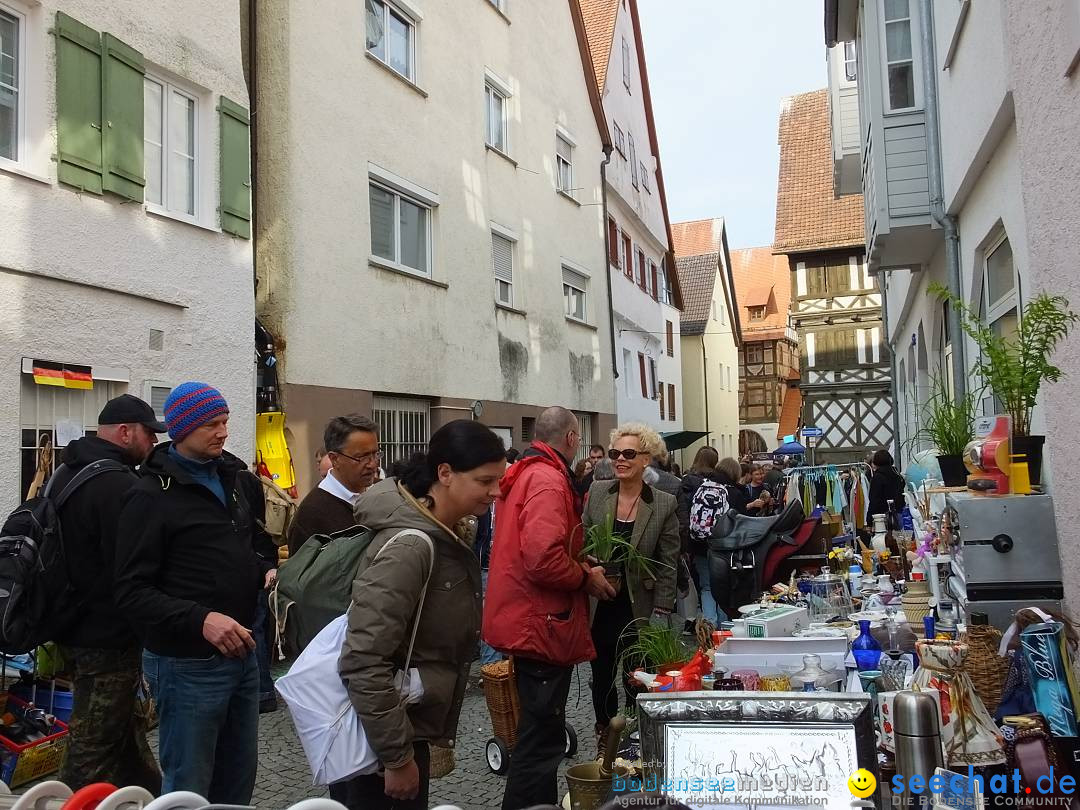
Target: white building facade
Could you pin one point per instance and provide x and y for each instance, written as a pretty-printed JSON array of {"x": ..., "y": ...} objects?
[
  {"x": 645, "y": 292},
  {"x": 431, "y": 239},
  {"x": 125, "y": 252}
]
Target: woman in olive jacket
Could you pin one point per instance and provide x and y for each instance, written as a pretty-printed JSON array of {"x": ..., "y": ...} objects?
[{"x": 437, "y": 495}]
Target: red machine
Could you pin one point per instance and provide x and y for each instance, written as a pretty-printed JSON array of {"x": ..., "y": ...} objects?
[{"x": 987, "y": 457}]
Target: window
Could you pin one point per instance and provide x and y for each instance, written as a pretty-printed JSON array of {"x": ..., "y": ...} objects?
[
  {"x": 564, "y": 164},
  {"x": 757, "y": 313},
  {"x": 899, "y": 56},
  {"x": 502, "y": 264},
  {"x": 628, "y": 257},
  {"x": 156, "y": 394},
  {"x": 653, "y": 281},
  {"x": 400, "y": 229},
  {"x": 613, "y": 242},
  {"x": 627, "y": 371},
  {"x": 574, "y": 287},
  {"x": 671, "y": 401},
  {"x": 528, "y": 427},
  {"x": 495, "y": 106},
  {"x": 170, "y": 149},
  {"x": 642, "y": 375},
  {"x": 670, "y": 335},
  {"x": 641, "y": 269},
  {"x": 644, "y": 177},
  {"x": 654, "y": 391},
  {"x": 850, "y": 69},
  {"x": 755, "y": 353},
  {"x": 633, "y": 160},
  {"x": 585, "y": 432},
  {"x": 666, "y": 296},
  {"x": 499, "y": 4},
  {"x": 663, "y": 413},
  {"x": 12, "y": 105},
  {"x": 998, "y": 305},
  {"x": 403, "y": 427},
  {"x": 391, "y": 37},
  {"x": 712, "y": 310},
  {"x": 620, "y": 143},
  {"x": 626, "y": 63}
]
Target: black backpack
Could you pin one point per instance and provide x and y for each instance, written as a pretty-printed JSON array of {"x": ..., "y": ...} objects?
[{"x": 36, "y": 596}]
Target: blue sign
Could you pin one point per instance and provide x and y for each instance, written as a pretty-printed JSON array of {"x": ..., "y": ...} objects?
[{"x": 812, "y": 431}]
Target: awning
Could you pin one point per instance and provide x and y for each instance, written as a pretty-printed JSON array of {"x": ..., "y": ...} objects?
[
  {"x": 790, "y": 449},
  {"x": 681, "y": 439}
]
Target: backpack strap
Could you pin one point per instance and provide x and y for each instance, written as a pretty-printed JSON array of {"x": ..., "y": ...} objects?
[
  {"x": 423, "y": 593},
  {"x": 91, "y": 470}
]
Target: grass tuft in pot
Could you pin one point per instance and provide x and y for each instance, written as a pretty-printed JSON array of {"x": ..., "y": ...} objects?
[
  {"x": 611, "y": 549},
  {"x": 948, "y": 421}
]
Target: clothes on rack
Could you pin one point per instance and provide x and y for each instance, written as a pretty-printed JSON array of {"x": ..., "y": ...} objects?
[{"x": 840, "y": 489}]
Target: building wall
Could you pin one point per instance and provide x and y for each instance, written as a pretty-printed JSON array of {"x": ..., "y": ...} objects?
[
  {"x": 83, "y": 279},
  {"x": 1044, "y": 40},
  {"x": 349, "y": 324}
]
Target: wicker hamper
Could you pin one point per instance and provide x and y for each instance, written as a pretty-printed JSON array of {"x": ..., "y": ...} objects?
[
  {"x": 500, "y": 692},
  {"x": 986, "y": 668}
]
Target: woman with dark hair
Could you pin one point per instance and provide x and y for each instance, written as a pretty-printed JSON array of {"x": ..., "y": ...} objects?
[
  {"x": 886, "y": 484},
  {"x": 436, "y": 495},
  {"x": 701, "y": 470}
]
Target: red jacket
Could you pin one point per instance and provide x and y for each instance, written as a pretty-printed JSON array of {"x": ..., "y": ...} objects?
[{"x": 536, "y": 605}]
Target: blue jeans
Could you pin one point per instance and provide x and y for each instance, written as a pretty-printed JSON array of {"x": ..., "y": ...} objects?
[
  {"x": 709, "y": 608},
  {"x": 208, "y": 710},
  {"x": 488, "y": 655}
]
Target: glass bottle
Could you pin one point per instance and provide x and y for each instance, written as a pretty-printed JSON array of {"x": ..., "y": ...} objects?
[{"x": 865, "y": 648}]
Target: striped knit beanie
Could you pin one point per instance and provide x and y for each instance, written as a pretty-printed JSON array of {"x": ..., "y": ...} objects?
[{"x": 191, "y": 405}]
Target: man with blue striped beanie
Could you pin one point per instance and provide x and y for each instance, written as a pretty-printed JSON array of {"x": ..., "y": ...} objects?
[{"x": 190, "y": 561}]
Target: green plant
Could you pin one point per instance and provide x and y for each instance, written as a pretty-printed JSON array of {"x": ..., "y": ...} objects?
[
  {"x": 650, "y": 646},
  {"x": 948, "y": 422},
  {"x": 1016, "y": 365},
  {"x": 608, "y": 546}
]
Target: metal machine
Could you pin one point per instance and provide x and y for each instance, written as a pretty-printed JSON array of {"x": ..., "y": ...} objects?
[{"x": 1004, "y": 556}]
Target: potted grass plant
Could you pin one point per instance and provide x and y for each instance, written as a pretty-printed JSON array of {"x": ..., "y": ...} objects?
[
  {"x": 949, "y": 424},
  {"x": 652, "y": 648},
  {"x": 1016, "y": 364},
  {"x": 616, "y": 554}
]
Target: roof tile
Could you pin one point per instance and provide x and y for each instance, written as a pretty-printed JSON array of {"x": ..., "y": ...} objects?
[
  {"x": 697, "y": 275},
  {"x": 599, "y": 18},
  {"x": 809, "y": 216},
  {"x": 759, "y": 276},
  {"x": 698, "y": 237}
]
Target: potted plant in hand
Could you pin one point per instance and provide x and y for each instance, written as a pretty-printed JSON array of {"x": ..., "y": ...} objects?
[
  {"x": 949, "y": 424},
  {"x": 1015, "y": 365},
  {"x": 616, "y": 554}
]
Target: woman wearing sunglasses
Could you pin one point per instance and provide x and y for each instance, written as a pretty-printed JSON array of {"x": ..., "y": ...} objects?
[{"x": 646, "y": 518}]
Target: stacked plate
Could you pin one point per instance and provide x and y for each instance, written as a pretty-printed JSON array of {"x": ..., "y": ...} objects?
[{"x": 916, "y": 602}]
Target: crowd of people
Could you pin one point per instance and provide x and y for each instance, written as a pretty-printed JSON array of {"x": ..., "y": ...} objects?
[{"x": 171, "y": 563}]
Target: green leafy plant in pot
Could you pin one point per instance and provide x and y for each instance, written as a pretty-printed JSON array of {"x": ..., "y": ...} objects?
[
  {"x": 949, "y": 424},
  {"x": 616, "y": 553},
  {"x": 1016, "y": 365}
]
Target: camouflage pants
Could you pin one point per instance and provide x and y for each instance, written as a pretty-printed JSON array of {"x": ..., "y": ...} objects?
[{"x": 108, "y": 727}]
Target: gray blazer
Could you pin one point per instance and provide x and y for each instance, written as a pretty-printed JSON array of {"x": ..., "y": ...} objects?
[{"x": 656, "y": 535}]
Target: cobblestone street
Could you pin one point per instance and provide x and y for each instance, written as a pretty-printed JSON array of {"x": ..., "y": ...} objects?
[{"x": 284, "y": 777}]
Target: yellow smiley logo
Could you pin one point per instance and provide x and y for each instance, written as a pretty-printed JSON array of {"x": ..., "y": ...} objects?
[{"x": 862, "y": 783}]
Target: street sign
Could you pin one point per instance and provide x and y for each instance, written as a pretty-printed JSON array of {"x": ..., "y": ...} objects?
[
  {"x": 811, "y": 441},
  {"x": 809, "y": 431}
]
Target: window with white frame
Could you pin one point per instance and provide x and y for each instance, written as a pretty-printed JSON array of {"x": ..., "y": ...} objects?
[
  {"x": 156, "y": 394},
  {"x": 400, "y": 229},
  {"x": 495, "y": 103},
  {"x": 564, "y": 164},
  {"x": 850, "y": 67},
  {"x": 626, "y": 63},
  {"x": 404, "y": 426},
  {"x": 999, "y": 302},
  {"x": 170, "y": 147},
  {"x": 665, "y": 285},
  {"x": 502, "y": 264},
  {"x": 391, "y": 37},
  {"x": 12, "y": 68},
  {"x": 633, "y": 160},
  {"x": 900, "y": 52},
  {"x": 645, "y": 178},
  {"x": 627, "y": 371},
  {"x": 617, "y": 134},
  {"x": 575, "y": 288}
]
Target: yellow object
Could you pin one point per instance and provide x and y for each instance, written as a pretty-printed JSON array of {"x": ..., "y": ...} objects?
[
  {"x": 271, "y": 448},
  {"x": 862, "y": 783},
  {"x": 1019, "y": 477}
]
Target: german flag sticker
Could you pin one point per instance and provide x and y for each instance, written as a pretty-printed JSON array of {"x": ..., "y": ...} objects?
[{"x": 62, "y": 375}]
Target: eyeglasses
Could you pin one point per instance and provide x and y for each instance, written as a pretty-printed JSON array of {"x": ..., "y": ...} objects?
[
  {"x": 364, "y": 459},
  {"x": 629, "y": 455}
]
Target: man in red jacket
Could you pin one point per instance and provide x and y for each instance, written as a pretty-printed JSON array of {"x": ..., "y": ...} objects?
[{"x": 537, "y": 606}]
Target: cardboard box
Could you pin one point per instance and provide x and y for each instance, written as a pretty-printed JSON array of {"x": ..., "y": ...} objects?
[
  {"x": 778, "y": 621},
  {"x": 766, "y": 655}
]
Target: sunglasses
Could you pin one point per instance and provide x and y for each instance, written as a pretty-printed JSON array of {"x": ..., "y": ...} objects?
[{"x": 629, "y": 455}]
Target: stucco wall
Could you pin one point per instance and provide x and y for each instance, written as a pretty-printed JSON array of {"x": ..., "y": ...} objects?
[
  {"x": 1044, "y": 36},
  {"x": 84, "y": 279},
  {"x": 348, "y": 324}
]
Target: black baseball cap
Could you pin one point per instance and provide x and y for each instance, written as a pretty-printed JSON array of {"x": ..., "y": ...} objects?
[{"x": 130, "y": 409}]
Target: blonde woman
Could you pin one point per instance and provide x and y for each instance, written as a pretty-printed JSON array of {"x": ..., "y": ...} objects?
[{"x": 646, "y": 517}]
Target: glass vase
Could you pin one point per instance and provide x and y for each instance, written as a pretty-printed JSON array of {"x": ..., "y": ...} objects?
[{"x": 865, "y": 648}]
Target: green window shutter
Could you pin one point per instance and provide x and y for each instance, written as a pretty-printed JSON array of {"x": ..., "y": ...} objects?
[
  {"x": 235, "y": 205},
  {"x": 122, "y": 125},
  {"x": 78, "y": 104}
]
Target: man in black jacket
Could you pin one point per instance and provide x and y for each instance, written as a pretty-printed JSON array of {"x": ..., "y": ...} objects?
[
  {"x": 107, "y": 732},
  {"x": 189, "y": 564}
]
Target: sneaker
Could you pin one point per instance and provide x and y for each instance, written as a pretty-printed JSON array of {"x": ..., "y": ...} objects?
[{"x": 267, "y": 705}]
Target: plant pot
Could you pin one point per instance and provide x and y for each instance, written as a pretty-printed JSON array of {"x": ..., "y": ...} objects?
[
  {"x": 953, "y": 471},
  {"x": 1031, "y": 448},
  {"x": 613, "y": 572}
]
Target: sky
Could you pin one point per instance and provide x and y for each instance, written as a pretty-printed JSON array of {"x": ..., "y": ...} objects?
[{"x": 717, "y": 71}]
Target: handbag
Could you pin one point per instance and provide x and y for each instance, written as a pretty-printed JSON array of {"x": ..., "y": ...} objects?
[{"x": 328, "y": 726}]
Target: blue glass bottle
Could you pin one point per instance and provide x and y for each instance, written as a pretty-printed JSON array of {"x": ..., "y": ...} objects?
[{"x": 865, "y": 648}]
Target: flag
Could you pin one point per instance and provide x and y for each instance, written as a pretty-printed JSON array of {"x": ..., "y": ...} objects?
[{"x": 63, "y": 375}]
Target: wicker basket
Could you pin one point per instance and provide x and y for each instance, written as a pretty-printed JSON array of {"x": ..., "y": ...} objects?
[
  {"x": 986, "y": 668},
  {"x": 442, "y": 761},
  {"x": 500, "y": 691}
]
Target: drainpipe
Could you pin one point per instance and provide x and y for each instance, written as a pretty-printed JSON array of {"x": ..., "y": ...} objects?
[
  {"x": 937, "y": 195},
  {"x": 607, "y": 266},
  {"x": 892, "y": 363},
  {"x": 253, "y": 95},
  {"x": 705, "y": 382}
]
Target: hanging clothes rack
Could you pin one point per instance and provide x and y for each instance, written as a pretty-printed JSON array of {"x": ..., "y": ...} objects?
[{"x": 821, "y": 485}]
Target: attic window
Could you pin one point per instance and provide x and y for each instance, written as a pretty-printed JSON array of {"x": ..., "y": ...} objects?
[{"x": 757, "y": 313}]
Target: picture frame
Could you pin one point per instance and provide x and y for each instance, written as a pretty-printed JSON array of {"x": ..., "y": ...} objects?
[{"x": 756, "y": 749}]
